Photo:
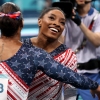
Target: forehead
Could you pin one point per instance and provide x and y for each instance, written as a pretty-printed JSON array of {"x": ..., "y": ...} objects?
[{"x": 57, "y": 13}]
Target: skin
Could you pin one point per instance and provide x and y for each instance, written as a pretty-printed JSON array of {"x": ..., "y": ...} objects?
[
  {"x": 80, "y": 2},
  {"x": 14, "y": 42},
  {"x": 47, "y": 38}
]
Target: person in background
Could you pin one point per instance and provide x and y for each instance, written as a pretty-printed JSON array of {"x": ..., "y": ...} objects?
[
  {"x": 96, "y": 4},
  {"x": 47, "y": 3},
  {"x": 51, "y": 22},
  {"x": 21, "y": 61},
  {"x": 82, "y": 35}
]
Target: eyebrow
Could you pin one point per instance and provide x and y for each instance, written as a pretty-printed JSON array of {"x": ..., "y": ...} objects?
[{"x": 61, "y": 18}]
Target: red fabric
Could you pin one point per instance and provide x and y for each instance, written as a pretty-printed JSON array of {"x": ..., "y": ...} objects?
[{"x": 14, "y": 15}]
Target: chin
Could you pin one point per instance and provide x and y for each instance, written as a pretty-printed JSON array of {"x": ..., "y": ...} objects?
[
  {"x": 53, "y": 38},
  {"x": 81, "y": 3}
]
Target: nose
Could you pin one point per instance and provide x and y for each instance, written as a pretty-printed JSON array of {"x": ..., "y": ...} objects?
[{"x": 57, "y": 23}]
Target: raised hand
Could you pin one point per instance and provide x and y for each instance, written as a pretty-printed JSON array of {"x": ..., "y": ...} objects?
[{"x": 76, "y": 18}]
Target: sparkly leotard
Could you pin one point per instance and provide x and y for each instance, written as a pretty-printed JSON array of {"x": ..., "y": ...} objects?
[{"x": 22, "y": 67}]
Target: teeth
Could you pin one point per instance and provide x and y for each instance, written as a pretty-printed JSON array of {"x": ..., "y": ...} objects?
[{"x": 53, "y": 29}]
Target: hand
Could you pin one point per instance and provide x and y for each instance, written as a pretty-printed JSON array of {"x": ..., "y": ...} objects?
[
  {"x": 96, "y": 92},
  {"x": 76, "y": 18}
]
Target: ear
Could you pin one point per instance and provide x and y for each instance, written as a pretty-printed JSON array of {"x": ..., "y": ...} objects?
[{"x": 39, "y": 22}]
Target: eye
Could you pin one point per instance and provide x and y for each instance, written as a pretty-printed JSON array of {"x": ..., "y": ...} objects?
[
  {"x": 51, "y": 17},
  {"x": 63, "y": 23}
]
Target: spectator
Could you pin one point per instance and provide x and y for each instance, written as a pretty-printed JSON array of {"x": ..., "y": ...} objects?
[{"x": 47, "y": 3}]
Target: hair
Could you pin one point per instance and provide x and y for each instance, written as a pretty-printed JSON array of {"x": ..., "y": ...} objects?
[
  {"x": 9, "y": 26},
  {"x": 72, "y": 1},
  {"x": 49, "y": 9}
]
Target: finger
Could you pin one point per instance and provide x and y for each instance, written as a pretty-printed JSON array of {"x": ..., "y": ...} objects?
[
  {"x": 73, "y": 11},
  {"x": 92, "y": 93}
]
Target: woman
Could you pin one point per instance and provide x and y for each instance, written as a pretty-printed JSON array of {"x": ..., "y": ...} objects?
[
  {"x": 20, "y": 61},
  {"x": 50, "y": 22}
]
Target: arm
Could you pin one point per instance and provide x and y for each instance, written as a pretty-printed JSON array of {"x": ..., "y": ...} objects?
[
  {"x": 92, "y": 35},
  {"x": 61, "y": 73},
  {"x": 68, "y": 58}
]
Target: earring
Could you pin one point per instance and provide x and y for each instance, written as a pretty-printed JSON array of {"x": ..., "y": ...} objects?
[{"x": 39, "y": 25}]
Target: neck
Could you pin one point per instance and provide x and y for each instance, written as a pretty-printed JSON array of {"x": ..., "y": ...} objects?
[
  {"x": 83, "y": 9},
  {"x": 13, "y": 39},
  {"x": 45, "y": 43},
  {"x": 9, "y": 46}
]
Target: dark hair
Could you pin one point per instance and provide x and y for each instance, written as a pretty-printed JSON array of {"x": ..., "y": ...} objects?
[
  {"x": 72, "y": 1},
  {"x": 9, "y": 26},
  {"x": 49, "y": 9}
]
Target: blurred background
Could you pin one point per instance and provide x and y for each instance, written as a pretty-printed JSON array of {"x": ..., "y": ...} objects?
[{"x": 31, "y": 10}]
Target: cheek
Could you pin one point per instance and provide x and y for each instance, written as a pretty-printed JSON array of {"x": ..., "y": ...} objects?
[
  {"x": 45, "y": 25},
  {"x": 62, "y": 28},
  {"x": 45, "y": 22}
]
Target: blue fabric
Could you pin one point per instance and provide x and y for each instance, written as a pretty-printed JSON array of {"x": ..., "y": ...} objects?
[
  {"x": 32, "y": 59},
  {"x": 85, "y": 94},
  {"x": 90, "y": 11},
  {"x": 58, "y": 50},
  {"x": 29, "y": 59}
]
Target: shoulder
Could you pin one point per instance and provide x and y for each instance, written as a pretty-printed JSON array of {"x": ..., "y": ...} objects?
[
  {"x": 32, "y": 50},
  {"x": 69, "y": 50},
  {"x": 64, "y": 48},
  {"x": 96, "y": 16},
  {"x": 95, "y": 12},
  {"x": 28, "y": 42}
]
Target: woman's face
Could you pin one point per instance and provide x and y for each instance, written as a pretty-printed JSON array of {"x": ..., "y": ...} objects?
[{"x": 52, "y": 24}]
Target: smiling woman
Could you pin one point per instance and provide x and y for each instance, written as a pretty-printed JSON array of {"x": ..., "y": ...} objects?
[{"x": 51, "y": 24}]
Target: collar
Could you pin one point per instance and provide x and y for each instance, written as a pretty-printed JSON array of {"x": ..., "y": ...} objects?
[{"x": 90, "y": 11}]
